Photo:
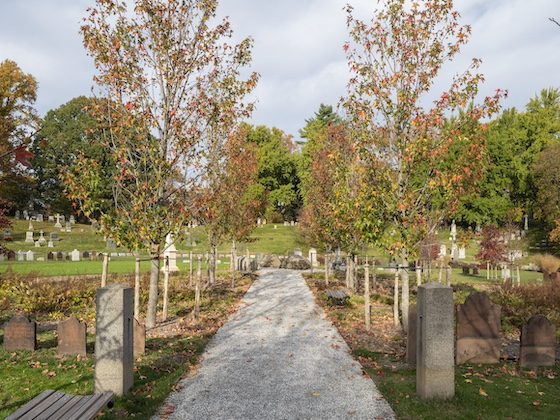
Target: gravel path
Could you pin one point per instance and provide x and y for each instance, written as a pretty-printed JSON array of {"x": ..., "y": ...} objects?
[{"x": 278, "y": 358}]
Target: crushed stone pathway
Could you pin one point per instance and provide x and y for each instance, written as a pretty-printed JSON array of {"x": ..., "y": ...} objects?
[{"x": 278, "y": 357}]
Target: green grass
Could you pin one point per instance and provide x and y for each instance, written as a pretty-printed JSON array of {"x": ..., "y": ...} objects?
[{"x": 511, "y": 394}]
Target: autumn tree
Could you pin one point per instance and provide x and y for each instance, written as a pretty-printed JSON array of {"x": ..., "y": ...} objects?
[
  {"x": 169, "y": 73},
  {"x": 227, "y": 205},
  {"x": 394, "y": 60}
]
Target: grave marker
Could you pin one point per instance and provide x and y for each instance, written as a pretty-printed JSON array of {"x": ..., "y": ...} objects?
[
  {"x": 71, "y": 337},
  {"x": 20, "y": 334},
  {"x": 538, "y": 343}
]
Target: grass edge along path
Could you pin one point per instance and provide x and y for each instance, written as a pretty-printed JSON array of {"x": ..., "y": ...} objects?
[
  {"x": 170, "y": 356},
  {"x": 500, "y": 391}
]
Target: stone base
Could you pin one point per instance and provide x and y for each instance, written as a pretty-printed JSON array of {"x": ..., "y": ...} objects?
[
  {"x": 531, "y": 357},
  {"x": 478, "y": 350}
]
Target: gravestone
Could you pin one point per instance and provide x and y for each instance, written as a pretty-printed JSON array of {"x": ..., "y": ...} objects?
[
  {"x": 50, "y": 244},
  {"x": 37, "y": 244},
  {"x": 94, "y": 255},
  {"x": 170, "y": 254},
  {"x": 58, "y": 224},
  {"x": 8, "y": 236},
  {"x": 538, "y": 343},
  {"x": 21, "y": 256},
  {"x": 411, "y": 344},
  {"x": 462, "y": 253},
  {"x": 71, "y": 337},
  {"x": 75, "y": 255},
  {"x": 42, "y": 239},
  {"x": 85, "y": 255},
  {"x": 114, "y": 339},
  {"x": 18, "y": 215},
  {"x": 20, "y": 334},
  {"x": 62, "y": 218},
  {"x": 53, "y": 237},
  {"x": 40, "y": 218},
  {"x": 478, "y": 330},
  {"x": 11, "y": 256},
  {"x": 29, "y": 237},
  {"x": 442, "y": 250},
  {"x": 50, "y": 256},
  {"x": 30, "y": 255},
  {"x": 298, "y": 253},
  {"x": 312, "y": 257},
  {"x": 435, "y": 367},
  {"x": 51, "y": 219},
  {"x": 25, "y": 215},
  {"x": 72, "y": 220},
  {"x": 68, "y": 227},
  {"x": 139, "y": 338},
  {"x": 59, "y": 256}
]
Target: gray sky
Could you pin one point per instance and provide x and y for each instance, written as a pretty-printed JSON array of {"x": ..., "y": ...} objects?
[{"x": 298, "y": 49}]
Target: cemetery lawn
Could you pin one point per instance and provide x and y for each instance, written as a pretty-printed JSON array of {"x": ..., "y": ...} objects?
[
  {"x": 481, "y": 391},
  {"x": 172, "y": 352}
]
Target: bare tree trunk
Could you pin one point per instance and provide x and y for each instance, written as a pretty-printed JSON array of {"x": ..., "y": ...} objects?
[
  {"x": 212, "y": 264},
  {"x": 487, "y": 271},
  {"x": 105, "y": 269},
  {"x": 165, "y": 287},
  {"x": 367, "y": 304},
  {"x": 518, "y": 276},
  {"x": 191, "y": 269},
  {"x": 355, "y": 280},
  {"x": 232, "y": 264},
  {"x": 327, "y": 270},
  {"x": 405, "y": 294},
  {"x": 396, "y": 320},
  {"x": 440, "y": 274},
  {"x": 448, "y": 275},
  {"x": 137, "y": 288},
  {"x": 418, "y": 274},
  {"x": 348, "y": 272},
  {"x": 197, "y": 286},
  {"x": 153, "y": 293}
]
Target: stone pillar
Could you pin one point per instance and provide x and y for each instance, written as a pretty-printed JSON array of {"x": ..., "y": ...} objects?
[
  {"x": 114, "y": 339},
  {"x": 435, "y": 364}
]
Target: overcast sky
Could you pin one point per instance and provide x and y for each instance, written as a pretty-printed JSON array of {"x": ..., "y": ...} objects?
[{"x": 298, "y": 49}]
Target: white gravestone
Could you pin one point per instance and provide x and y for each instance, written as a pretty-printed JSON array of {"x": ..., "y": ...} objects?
[
  {"x": 29, "y": 237},
  {"x": 170, "y": 252},
  {"x": 58, "y": 224},
  {"x": 75, "y": 255},
  {"x": 30, "y": 255},
  {"x": 462, "y": 253}
]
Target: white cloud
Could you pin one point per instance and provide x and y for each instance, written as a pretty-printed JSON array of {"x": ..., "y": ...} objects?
[{"x": 298, "y": 49}]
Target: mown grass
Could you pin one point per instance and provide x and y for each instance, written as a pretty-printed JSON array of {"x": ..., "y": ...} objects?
[
  {"x": 500, "y": 391},
  {"x": 170, "y": 355}
]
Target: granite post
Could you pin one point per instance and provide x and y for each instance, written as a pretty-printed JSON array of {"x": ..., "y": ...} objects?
[
  {"x": 435, "y": 364},
  {"x": 114, "y": 339}
]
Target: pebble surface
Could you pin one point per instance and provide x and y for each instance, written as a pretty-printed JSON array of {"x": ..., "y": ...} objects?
[{"x": 278, "y": 357}]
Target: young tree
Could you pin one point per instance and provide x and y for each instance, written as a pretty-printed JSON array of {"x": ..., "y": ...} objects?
[
  {"x": 394, "y": 60},
  {"x": 171, "y": 73}
]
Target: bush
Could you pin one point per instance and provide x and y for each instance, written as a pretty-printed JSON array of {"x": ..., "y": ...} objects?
[{"x": 547, "y": 263}]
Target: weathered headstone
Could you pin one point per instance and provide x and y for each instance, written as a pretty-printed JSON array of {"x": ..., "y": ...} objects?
[
  {"x": 478, "y": 330},
  {"x": 11, "y": 256},
  {"x": 40, "y": 218},
  {"x": 71, "y": 337},
  {"x": 411, "y": 344},
  {"x": 25, "y": 215},
  {"x": 139, "y": 338},
  {"x": 50, "y": 244},
  {"x": 68, "y": 227},
  {"x": 114, "y": 340},
  {"x": 42, "y": 239},
  {"x": 58, "y": 224},
  {"x": 170, "y": 254},
  {"x": 30, "y": 255},
  {"x": 37, "y": 244},
  {"x": 72, "y": 220},
  {"x": 59, "y": 256},
  {"x": 51, "y": 218},
  {"x": 20, "y": 334},
  {"x": 50, "y": 256},
  {"x": 8, "y": 236},
  {"x": 53, "y": 237},
  {"x": 29, "y": 237},
  {"x": 435, "y": 367},
  {"x": 21, "y": 256},
  {"x": 18, "y": 215},
  {"x": 538, "y": 343},
  {"x": 75, "y": 255},
  {"x": 85, "y": 255}
]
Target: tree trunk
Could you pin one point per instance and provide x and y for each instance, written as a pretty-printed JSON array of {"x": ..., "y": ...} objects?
[
  {"x": 405, "y": 294},
  {"x": 165, "y": 288},
  {"x": 367, "y": 305},
  {"x": 418, "y": 274},
  {"x": 105, "y": 270},
  {"x": 197, "y": 286},
  {"x": 153, "y": 293},
  {"x": 327, "y": 270},
  {"x": 137, "y": 288},
  {"x": 191, "y": 269},
  {"x": 487, "y": 271},
  {"x": 518, "y": 276},
  {"x": 355, "y": 280},
  {"x": 440, "y": 275},
  {"x": 232, "y": 264},
  {"x": 348, "y": 272},
  {"x": 396, "y": 321},
  {"x": 448, "y": 275},
  {"x": 212, "y": 264}
]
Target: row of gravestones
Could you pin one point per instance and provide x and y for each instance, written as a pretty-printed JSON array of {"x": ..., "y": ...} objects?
[
  {"x": 478, "y": 335},
  {"x": 39, "y": 217},
  {"x": 21, "y": 334}
]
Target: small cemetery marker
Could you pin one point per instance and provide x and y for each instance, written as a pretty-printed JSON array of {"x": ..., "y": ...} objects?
[
  {"x": 71, "y": 337},
  {"x": 114, "y": 339},
  {"x": 478, "y": 330},
  {"x": 538, "y": 343},
  {"x": 75, "y": 255},
  {"x": 20, "y": 334},
  {"x": 50, "y": 256}
]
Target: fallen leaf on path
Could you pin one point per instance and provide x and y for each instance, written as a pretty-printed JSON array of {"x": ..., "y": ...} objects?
[
  {"x": 482, "y": 392},
  {"x": 316, "y": 394}
]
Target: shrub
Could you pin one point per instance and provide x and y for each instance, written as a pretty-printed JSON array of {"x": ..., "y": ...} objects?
[{"x": 547, "y": 262}]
